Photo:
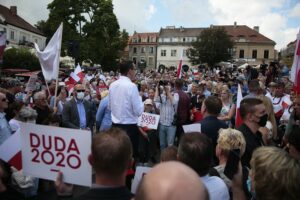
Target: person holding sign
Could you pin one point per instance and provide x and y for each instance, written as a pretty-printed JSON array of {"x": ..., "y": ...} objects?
[
  {"x": 148, "y": 137},
  {"x": 111, "y": 157}
]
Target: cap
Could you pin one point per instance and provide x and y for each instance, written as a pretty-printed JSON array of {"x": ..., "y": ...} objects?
[{"x": 148, "y": 102}]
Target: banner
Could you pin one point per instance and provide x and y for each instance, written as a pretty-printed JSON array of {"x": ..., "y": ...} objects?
[
  {"x": 149, "y": 120},
  {"x": 47, "y": 150},
  {"x": 31, "y": 83},
  {"x": 139, "y": 174}
]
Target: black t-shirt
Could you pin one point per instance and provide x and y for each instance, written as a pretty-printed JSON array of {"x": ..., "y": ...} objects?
[
  {"x": 113, "y": 193},
  {"x": 42, "y": 114},
  {"x": 253, "y": 141}
]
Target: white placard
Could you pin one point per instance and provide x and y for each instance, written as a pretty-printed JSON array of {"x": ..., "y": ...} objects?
[
  {"x": 192, "y": 128},
  {"x": 47, "y": 150},
  {"x": 30, "y": 86},
  {"x": 139, "y": 173},
  {"x": 149, "y": 120}
]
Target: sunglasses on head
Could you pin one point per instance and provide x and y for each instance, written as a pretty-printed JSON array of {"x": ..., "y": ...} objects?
[{"x": 80, "y": 90}]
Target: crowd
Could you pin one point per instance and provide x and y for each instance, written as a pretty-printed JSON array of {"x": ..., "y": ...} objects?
[{"x": 185, "y": 165}]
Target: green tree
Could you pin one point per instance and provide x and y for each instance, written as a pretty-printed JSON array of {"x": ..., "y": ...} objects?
[
  {"x": 212, "y": 46},
  {"x": 92, "y": 23},
  {"x": 20, "y": 58}
]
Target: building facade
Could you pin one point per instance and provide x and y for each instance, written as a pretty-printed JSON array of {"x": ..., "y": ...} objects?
[
  {"x": 249, "y": 45},
  {"x": 18, "y": 31},
  {"x": 173, "y": 44},
  {"x": 142, "y": 50}
]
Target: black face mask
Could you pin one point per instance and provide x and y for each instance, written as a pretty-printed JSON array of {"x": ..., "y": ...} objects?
[{"x": 263, "y": 120}]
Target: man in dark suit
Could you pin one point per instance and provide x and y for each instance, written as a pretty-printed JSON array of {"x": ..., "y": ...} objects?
[
  {"x": 211, "y": 125},
  {"x": 78, "y": 113}
]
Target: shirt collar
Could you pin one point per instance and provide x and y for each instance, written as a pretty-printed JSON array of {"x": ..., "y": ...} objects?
[
  {"x": 78, "y": 101},
  {"x": 125, "y": 78}
]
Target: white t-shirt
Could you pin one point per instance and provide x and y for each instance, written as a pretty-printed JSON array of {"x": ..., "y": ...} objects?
[{"x": 216, "y": 187}]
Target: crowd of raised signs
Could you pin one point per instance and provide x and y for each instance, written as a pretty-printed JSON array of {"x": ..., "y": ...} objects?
[{"x": 207, "y": 96}]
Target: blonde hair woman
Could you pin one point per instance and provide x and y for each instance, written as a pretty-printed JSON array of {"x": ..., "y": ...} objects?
[
  {"x": 270, "y": 130},
  {"x": 228, "y": 107},
  {"x": 229, "y": 139},
  {"x": 274, "y": 174}
]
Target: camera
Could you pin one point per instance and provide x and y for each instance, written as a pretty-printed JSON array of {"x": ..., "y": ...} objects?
[{"x": 163, "y": 82}]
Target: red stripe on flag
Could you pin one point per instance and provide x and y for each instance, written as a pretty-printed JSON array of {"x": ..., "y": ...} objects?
[
  {"x": 179, "y": 69},
  {"x": 16, "y": 161},
  {"x": 238, "y": 118}
]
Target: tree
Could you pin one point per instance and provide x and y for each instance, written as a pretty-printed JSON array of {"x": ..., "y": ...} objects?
[
  {"x": 212, "y": 46},
  {"x": 20, "y": 58},
  {"x": 93, "y": 25}
]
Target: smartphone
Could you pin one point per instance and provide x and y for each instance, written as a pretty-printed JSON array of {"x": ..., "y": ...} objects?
[{"x": 232, "y": 163}]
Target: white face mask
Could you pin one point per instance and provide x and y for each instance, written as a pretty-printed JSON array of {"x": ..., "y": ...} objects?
[{"x": 80, "y": 95}]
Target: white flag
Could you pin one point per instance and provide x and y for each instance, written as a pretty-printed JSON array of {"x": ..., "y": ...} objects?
[{"x": 49, "y": 58}]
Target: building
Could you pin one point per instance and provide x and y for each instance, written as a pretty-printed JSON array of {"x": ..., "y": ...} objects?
[
  {"x": 250, "y": 45},
  {"x": 18, "y": 31},
  {"x": 173, "y": 44},
  {"x": 142, "y": 50}
]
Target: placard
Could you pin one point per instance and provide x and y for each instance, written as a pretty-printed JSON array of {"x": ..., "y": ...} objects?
[
  {"x": 30, "y": 86},
  {"x": 139, "y": 173},
  {"x": 149, "y": 120},
  {"x": 192, "y": 128},
  {"x": 47, "y": 150}
]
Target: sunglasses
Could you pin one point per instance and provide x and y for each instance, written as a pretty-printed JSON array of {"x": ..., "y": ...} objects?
[
  {"x": 3, "y": 100},
  {"x": 80, "y": 90}
]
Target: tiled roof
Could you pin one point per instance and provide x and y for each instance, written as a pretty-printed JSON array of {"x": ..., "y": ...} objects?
[
  {"x": 17, "y": 21},
  {"x": 180, "y": 32},
  {"x": 142, "y": 35},
  {"x": 237, "y": 32}
]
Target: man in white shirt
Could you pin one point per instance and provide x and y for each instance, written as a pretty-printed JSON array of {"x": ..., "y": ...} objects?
[
  {"x": 126, "y": 103},
  {"x": 196, "y": 151}
]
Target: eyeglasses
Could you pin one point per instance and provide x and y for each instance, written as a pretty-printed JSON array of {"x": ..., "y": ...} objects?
[
  {"x": 3, "y": 100},
  {"x": 80, "y": 90}
]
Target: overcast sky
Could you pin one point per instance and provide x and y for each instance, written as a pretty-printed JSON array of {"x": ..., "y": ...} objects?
[{"x": 278, "y": 19}]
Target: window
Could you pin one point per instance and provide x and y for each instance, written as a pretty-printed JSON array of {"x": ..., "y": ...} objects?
[
  {"x": 241, "y": 53},
  {"x": 254, "y": 53},
  {"x": 151, "y": 50},
  {"x": 35, "y": 40},
  {"x": 173, "y": 52},
  {"x": 163, "y": 52},
  {"x": 134, "y": 49},
  {"x": 184, "y": 53},
  {"x": 151, "y": 60},
  {"x": 12, "y": 35},
  {"x": 183, "y": 39},
  {"x": 24, "y": 38},
  {"x": 134, "y": 60},
  {"x": 266, "y": 54},
  {"x": 143, "y": 50}
]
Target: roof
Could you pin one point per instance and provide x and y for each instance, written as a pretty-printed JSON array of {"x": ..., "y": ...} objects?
[
  {"x": 17, "y": 21},
  {"x": 237, "y": 32},
  {"x": 142, "y": 35},
  {"x": 180, "y": 32}
]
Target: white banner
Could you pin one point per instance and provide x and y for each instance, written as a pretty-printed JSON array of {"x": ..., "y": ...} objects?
[
  {"x": 149, "y": 120},
  {"x": 47, "y": 150},
  {"x": 139, "y": 173},
  {"x": 192, "y": 128}
]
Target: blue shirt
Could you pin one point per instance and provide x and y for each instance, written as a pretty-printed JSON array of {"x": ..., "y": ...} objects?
[
  {"x": 81, "y": 113},
  {"x": 5, "y": 130},
  {"x": 103, "y": 116}
]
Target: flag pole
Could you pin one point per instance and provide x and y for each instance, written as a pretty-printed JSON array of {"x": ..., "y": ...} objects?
[{"x": 56, "y": 84}]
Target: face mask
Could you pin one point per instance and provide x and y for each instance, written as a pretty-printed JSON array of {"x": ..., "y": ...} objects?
[
  {"x": 80, "y": 95},
  {"x": 263, "y": 120}
]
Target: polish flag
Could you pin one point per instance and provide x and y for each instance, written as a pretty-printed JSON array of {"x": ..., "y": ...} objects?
[
  {"x": 2, "y": 45},
  {"x": 179, "y": 69},
  {"x": 295, "y": 71},
  {"x": 238, "y": 118},
  {"x": 10, "y": 150},
  {"x": 78, "y": 71}
]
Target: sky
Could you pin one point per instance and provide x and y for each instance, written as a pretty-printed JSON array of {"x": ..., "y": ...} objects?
[{"x": 279, "y": 20}]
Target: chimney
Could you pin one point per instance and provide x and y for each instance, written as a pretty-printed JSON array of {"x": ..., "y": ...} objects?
[
  {"x": 256, "y": 28},
  {"x": 13, "y": 10},
  {"x": 211, "y": 26},
  {"x": 181, "y": 29},
  {"x": 234, "y": 24}
]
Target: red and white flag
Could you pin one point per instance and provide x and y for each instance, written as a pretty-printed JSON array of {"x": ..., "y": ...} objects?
[
  {"x": 179, "y": 69},
  {"x": 2, "y": 45},
  {"x": 75, "y": 77},
  {"x": 295, "y": 71},
  {"x": 78, "y": 71},
  {"x": 49, "y": 58},
  {"x": 238, "y": 118},
  {"x": 10, "y": 150}
]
